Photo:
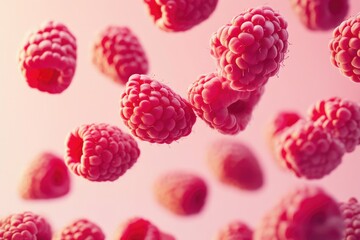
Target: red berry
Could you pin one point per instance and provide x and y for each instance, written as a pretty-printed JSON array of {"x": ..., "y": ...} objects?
[
  {"x": 351, "y": 213},
  {"x": 81, "y": 229},
  {"x": 235, "y": 230},
  {"x": 282, "y": 121}
]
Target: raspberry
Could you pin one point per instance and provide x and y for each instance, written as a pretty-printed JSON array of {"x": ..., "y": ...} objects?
[
  {"x": 80, "y": 229},
  {"x": 100, "y": 152},
  {"x": 153, "y": 112},
  {"x": 233, "y": 163},
  {"x": 250, "y": 49},
  {"x": 320, "y": 14},
  {"x": 48, "y": 58},
  {"x": 46, "y": 177},
  {"x": 282, "y": 121},
  {"x": 222, "y": 108},
  {"x": 307, "y": 213},
  {"x": 118, "y": 54},
  {"x": 345, "y": 47},
  {"x": 351, "y": 213},
  {"x": 179, "y": 15},
  {"x": 308, "y": 150},
  {"x": 25, "y": 226},
  {"x": 181, "y": 193},
  {"x": 236, "y": 230}
]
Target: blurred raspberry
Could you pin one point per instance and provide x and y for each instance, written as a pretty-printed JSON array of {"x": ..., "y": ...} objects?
[
  {"x": 307, "y": 213},
  {"x": 222, "y": 108},
  {"x": 251, "y": 48},
  {"x": 100, "y": 152},
  {"x": 320, "y": 14},
  {"x": 25, "y": 226},
  {"x": 80, "y": 229},
  {"x": 46, "y": 177},
  {"x": 179, "y": 15},
  {"x": 154, "y": 112},
  {"x": 233, "y": 163},
  {"x": 351, "y": 213},
  {"x": 282, "y": 121},
  {"x": 236, "y": 230},
  {"x": 181, "y": 193},
  {"x": 48, "y": 58},
  {"x": 118, "y": 54},
  {"x": 345, "y": 47}
]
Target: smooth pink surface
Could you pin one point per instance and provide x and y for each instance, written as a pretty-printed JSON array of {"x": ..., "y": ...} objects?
[{"x": 32, "y": 121}]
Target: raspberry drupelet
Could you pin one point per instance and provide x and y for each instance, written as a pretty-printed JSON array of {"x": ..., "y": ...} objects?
[
  {"x": 153, "y": 112},
  {"x": 80, "y": 229},
  {"x": 48, "y": 58},
  {"x": 118, "y": 53},
  {"x": 100, "y": 152},
  {"x": 235, "y": 230},
  {"x": 351, "y": 214},
  {"x": 250, "y": 49}
]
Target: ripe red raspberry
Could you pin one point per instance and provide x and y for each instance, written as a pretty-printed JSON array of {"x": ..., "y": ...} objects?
[
  {"x": 25, "y": 226},
  {"x": 179, "y": 15},
  {"x": 320, "y": 14},
  {"x": 118, "y": 53},
  {"x": 351, "y": 213},
  {"x": 282, "y": 121},
  {"x": 345, "y": 46},
  {"x": 236, "y": 230},
  {"x": 80, "y": 229},
  {"x": 307, "y": 213},
  {"x": 100, "y": 152},
  {"x": 222, "y": 108},
  {"x": 48, "y": 58},
  {"x": 46, "y": 177},
  {"x": 251, "y": 48},
  {"x": 181, "y": 193},
  {"x": 153, "y": 112},
  {"x": 233, "y": 163}
]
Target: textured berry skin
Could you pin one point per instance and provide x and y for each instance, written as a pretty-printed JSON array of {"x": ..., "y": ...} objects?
[
  {"x": 344, "y": 48},
  {"x": 282, "y": 121},
  {"x": 153, "y": 112},
  {"x": 233, "y": 163},
  {"x": 46, "y": 177},
  {"x": 179, "y": 15},
  {"x": 308, "y": 150},
  {"x": 222, "y": 108},
  {"x": 351, "y": 213},
  {"x": 320, "y": 14},
  {"x": 251, "y": 48},
  {"x": 25, "y": 226},
  {"x": 307, "y": 213},
  {"x": 100, "y": 152},
  {"x": 81, "y": 229},
  {"x": 181, "y": 193},
  {"x": 48, "y": 58},
  {"x": 235, "y": 230},
  {"x": 118, "y": 53}
]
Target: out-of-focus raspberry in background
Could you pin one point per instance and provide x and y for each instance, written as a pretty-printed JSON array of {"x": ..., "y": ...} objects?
[{"x": 32, "y": 121}]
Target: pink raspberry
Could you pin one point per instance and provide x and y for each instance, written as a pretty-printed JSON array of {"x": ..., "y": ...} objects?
[
  {"x": 153, "y": 112},
  {"x": 251, "y": 48},
  {"x": 46, "y": 177},
  {"x": 345, "y": 47},
  {"x": 100, "y": 152},
  {"x": 181, "y": 193},
  {"x": 307, "y": 213},
  {"x": 179, "y": 15},
  {"x": 118, "y": 54},
  {"x": 282, "y": 121},
  {"x": 320, "y": 14},
  {"x": 236, "y": 230},
  {"x": 81, "y": 229},
  {"x": 48, "y": 58},
  {"x": 233, "y": 163},
  {"x": 351, "y": 213},
  {"x": 222, "y": 108},
  {"x": 25, "y": 226}
]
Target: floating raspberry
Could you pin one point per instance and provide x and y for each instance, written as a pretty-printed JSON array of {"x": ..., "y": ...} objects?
[
  {"x": 307, "y": 213},
  {"x": 222, "y": 108},
  {"x": 46, "y": 177},
  {"x": 236, "y": 230},
  {"x": 233, "y": 163},
  {"x": 48, "y": 58},
  {"x": 351, "y": 213},
  {"x": 320, "y": 14},
  {"x": 179, "y": 15},
  {"x": 181, "y": 193},
  {"x": 118, "y": 54},
  {"x": 251, "y": 48},
  {"x": 282, "y": 121},
  {"x": 345, "y": 46},
  {"x": 80, "y": 229},
  {"x": 100, "y": 152},
  {"x": 153, "y": 112},
  {"x": 24, "y": 226}
]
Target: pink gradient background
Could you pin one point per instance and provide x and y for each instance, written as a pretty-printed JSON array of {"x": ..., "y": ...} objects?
[{"x": 32, "y": 121}]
